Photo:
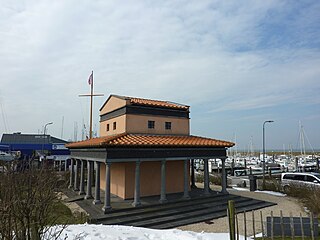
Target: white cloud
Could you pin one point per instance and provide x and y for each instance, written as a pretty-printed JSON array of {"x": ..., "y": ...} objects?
[{"x": 193, "y": 52}]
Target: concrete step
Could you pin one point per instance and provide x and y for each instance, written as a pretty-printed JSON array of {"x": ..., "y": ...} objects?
[
  {"x": 162, "y": 207},
  {"x": 193, "y": 216},
  {"x": 215, "y": 215},
  {"x": 173, "y": 210},
  {"x": 173, "y": 214}
]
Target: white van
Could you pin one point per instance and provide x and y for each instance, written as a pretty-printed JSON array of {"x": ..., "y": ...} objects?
[{"x": 299, "y": 179}]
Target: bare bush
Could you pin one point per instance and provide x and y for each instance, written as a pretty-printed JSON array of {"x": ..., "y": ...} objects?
[
  {"x": 308, "y": 195},
  {"x": 27, "y": 201},
  {"x": 311, "y": 200},
  {"x": 215, "y": 179},
  {"x": 295, "y": 191},
  {"x": 271, "y": 184}
]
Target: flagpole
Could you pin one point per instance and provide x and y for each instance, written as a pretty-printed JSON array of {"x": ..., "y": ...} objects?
[
  {"x": 91, "y": 104},
  {"x": 91, "y": 95}
]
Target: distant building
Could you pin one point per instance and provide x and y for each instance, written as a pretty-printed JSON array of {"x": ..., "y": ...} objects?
[
  {"x": 144, "y": 149},
  {"x": 29, "y": 144}
]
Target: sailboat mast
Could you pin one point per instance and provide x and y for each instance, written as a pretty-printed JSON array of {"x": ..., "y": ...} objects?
[
  {"x": 302, "y": 139},
  {"x": 236, "y": 148},
  {"x": 62, "y": 127},
  {"x": 302, "y": 144},
  {"x": 251, "y": 147}
]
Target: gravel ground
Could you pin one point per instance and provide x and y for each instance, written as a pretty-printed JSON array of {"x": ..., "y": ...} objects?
[{"x": 286, "y": 204}]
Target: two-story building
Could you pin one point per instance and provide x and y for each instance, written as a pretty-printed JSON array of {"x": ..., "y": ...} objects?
[
  {"x": 144, "y": 149},
  {"x": 121, "y": 114}
]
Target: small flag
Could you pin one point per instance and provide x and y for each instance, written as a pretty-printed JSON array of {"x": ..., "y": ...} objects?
[{"x": 90, "y": 80}]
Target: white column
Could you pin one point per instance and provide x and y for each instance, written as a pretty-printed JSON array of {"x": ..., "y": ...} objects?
[
  {"x": 89, "y": 178},
  {"x": 71, "y": 173},
  {"x": 206, "y": 177},
  {"x": 76, "y": 177},
  {"x": 224, "y": 176},
  {"x": 107, "y": 196},
  {"x": 82, "y": 192},
  {"x": 97, "y": 199},
  {"x": 136, "y": 201},
  {"x": 186, "y": 180},
  {"x": 65, "y": 164},
  {"x": 163, "y": 197}
]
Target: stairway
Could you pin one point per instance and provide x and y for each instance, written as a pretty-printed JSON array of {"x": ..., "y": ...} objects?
[{"x": 182, "y": 212}]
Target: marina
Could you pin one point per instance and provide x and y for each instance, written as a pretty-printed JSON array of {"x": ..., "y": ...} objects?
[{"x": 243, "y": 165}]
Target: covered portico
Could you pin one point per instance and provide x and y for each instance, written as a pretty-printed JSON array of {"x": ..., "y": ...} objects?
[{"x": 135, "y": 165}]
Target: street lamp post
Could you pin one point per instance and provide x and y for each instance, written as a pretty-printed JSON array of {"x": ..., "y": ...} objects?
[
  {"x": 44, "y": 136},
  {"x": 264, "y": 153}
]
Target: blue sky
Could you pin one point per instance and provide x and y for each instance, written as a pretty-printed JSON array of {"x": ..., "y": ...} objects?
[{"x": 236, "y": 63}]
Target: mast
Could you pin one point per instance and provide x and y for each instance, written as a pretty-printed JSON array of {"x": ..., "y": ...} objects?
[
  {"x": 62, "y": 127},
  {"x": 91, "y": 104},
  {"x": 251, "y": 147},
  {"x": 75, "y": 131},
  {"x": 302, "y": 144},
  {"x": 236, "y": 148},
  {"x": 91, "y": 95}
]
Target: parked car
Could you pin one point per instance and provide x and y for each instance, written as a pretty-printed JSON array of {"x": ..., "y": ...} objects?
[{"x": 299, "y": 179}]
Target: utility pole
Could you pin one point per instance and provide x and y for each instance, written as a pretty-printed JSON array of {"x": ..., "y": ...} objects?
[
  {"x": 264, "y": 154},
  {"x": 62, "y": 127},
  {"x": 44, "y": 136}
]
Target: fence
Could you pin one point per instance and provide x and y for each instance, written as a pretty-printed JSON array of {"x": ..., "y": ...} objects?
[{"x": 271, "y": 226}]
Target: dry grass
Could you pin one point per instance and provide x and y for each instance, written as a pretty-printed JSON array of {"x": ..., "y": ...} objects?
[
  {"x": 309, "y": 196},
  {"x": 213, "y": 178},
  {"x": 271, "y": 184}
]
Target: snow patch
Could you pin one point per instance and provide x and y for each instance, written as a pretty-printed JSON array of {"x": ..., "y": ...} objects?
[
  {"x": 273, "y": 193},
  {"x": 108, "y": 232},
  {"x": 240, "y": 189}
]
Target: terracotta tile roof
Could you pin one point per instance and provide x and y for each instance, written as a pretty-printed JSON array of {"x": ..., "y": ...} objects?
[
  {"x": 141, "y": 140},
  {"x": 156, "y": 103},
  {"x": 148, "y": 102}
]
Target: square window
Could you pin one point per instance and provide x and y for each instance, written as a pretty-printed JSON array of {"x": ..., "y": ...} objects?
[
  {"x": 108, "y": 127},
  {"x": 168, "y": 125},
  {"x": 151, "y": 124},
  {"x": 114, "y": 125}
]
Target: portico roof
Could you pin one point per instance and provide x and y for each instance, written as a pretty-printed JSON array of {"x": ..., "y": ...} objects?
[{"x": 144, "y": 140}]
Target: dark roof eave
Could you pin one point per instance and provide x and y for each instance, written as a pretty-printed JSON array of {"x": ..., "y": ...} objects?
[{"x": 163, "y": 146}]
